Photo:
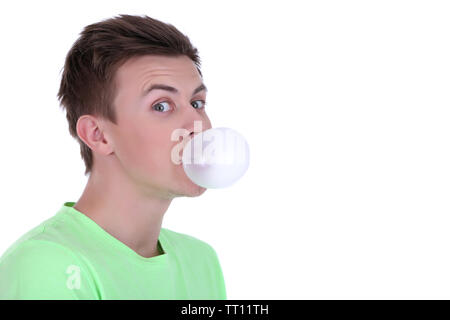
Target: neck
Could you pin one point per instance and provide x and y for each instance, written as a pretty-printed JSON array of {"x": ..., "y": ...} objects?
[{"x": 129, "y": 215}]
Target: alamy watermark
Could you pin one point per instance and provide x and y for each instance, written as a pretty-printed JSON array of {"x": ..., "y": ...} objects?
[
  {"x": 222, "y": 147},
  {"x": 74, "y": 279}
]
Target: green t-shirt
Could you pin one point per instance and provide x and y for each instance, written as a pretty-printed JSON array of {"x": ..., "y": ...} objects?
[{"x": 69, "y": 256}]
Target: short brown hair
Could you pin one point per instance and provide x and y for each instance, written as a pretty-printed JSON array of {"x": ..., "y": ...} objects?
[{"x": 87, "y": 83}]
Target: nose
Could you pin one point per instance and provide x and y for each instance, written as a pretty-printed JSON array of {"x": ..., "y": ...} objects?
[{"x": 196, "y": 121}]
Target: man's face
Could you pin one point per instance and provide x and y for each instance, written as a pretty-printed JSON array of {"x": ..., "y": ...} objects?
[{"x": 146, "y": 120}]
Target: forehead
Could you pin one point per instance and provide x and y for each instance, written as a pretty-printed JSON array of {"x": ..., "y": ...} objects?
[{"x": 138, "y": 70}]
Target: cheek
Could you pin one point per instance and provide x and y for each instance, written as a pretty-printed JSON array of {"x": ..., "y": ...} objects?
[{"x": 145, "y": 151}]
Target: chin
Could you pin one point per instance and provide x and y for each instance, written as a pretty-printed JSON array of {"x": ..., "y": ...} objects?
[
  {"x": 194, "y": 191},
  {"x": 188, "y": 189},
  {"x": 185, "y": 187}
]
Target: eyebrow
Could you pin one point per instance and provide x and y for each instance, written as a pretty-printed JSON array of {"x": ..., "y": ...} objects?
[{"x": 172, "y": 89}]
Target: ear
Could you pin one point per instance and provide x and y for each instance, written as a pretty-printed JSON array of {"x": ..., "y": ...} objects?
[{"x": 89, "y": 129}]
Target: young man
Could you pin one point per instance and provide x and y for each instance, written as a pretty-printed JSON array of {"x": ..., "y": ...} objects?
[{"x": 128, "y": 83}]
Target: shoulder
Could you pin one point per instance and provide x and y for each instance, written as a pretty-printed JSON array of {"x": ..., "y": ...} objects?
[
  {"x": 187, "y": 242},
  {"x": 41, "y": 269},
  {"x": 45, "y": 239},
  {"x": 37, "y": 250},
  {"x": 35, "y": 258},
  {"x": 200, "y": 257},
  {"x": 60, "y": 235}
]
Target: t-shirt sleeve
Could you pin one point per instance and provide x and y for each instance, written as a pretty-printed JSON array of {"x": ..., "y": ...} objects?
[{"x": 39, "y": 269}]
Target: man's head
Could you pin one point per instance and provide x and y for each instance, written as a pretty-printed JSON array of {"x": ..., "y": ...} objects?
[{"x": 122, "y": 127}]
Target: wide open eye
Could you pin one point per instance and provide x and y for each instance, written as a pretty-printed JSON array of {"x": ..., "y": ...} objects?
[
  {"x": 160, "y": 106},
  {"x": 202, "y": 104}
]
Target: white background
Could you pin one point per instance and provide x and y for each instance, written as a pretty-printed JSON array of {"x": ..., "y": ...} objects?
[{"x": 345, "y": 106}]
